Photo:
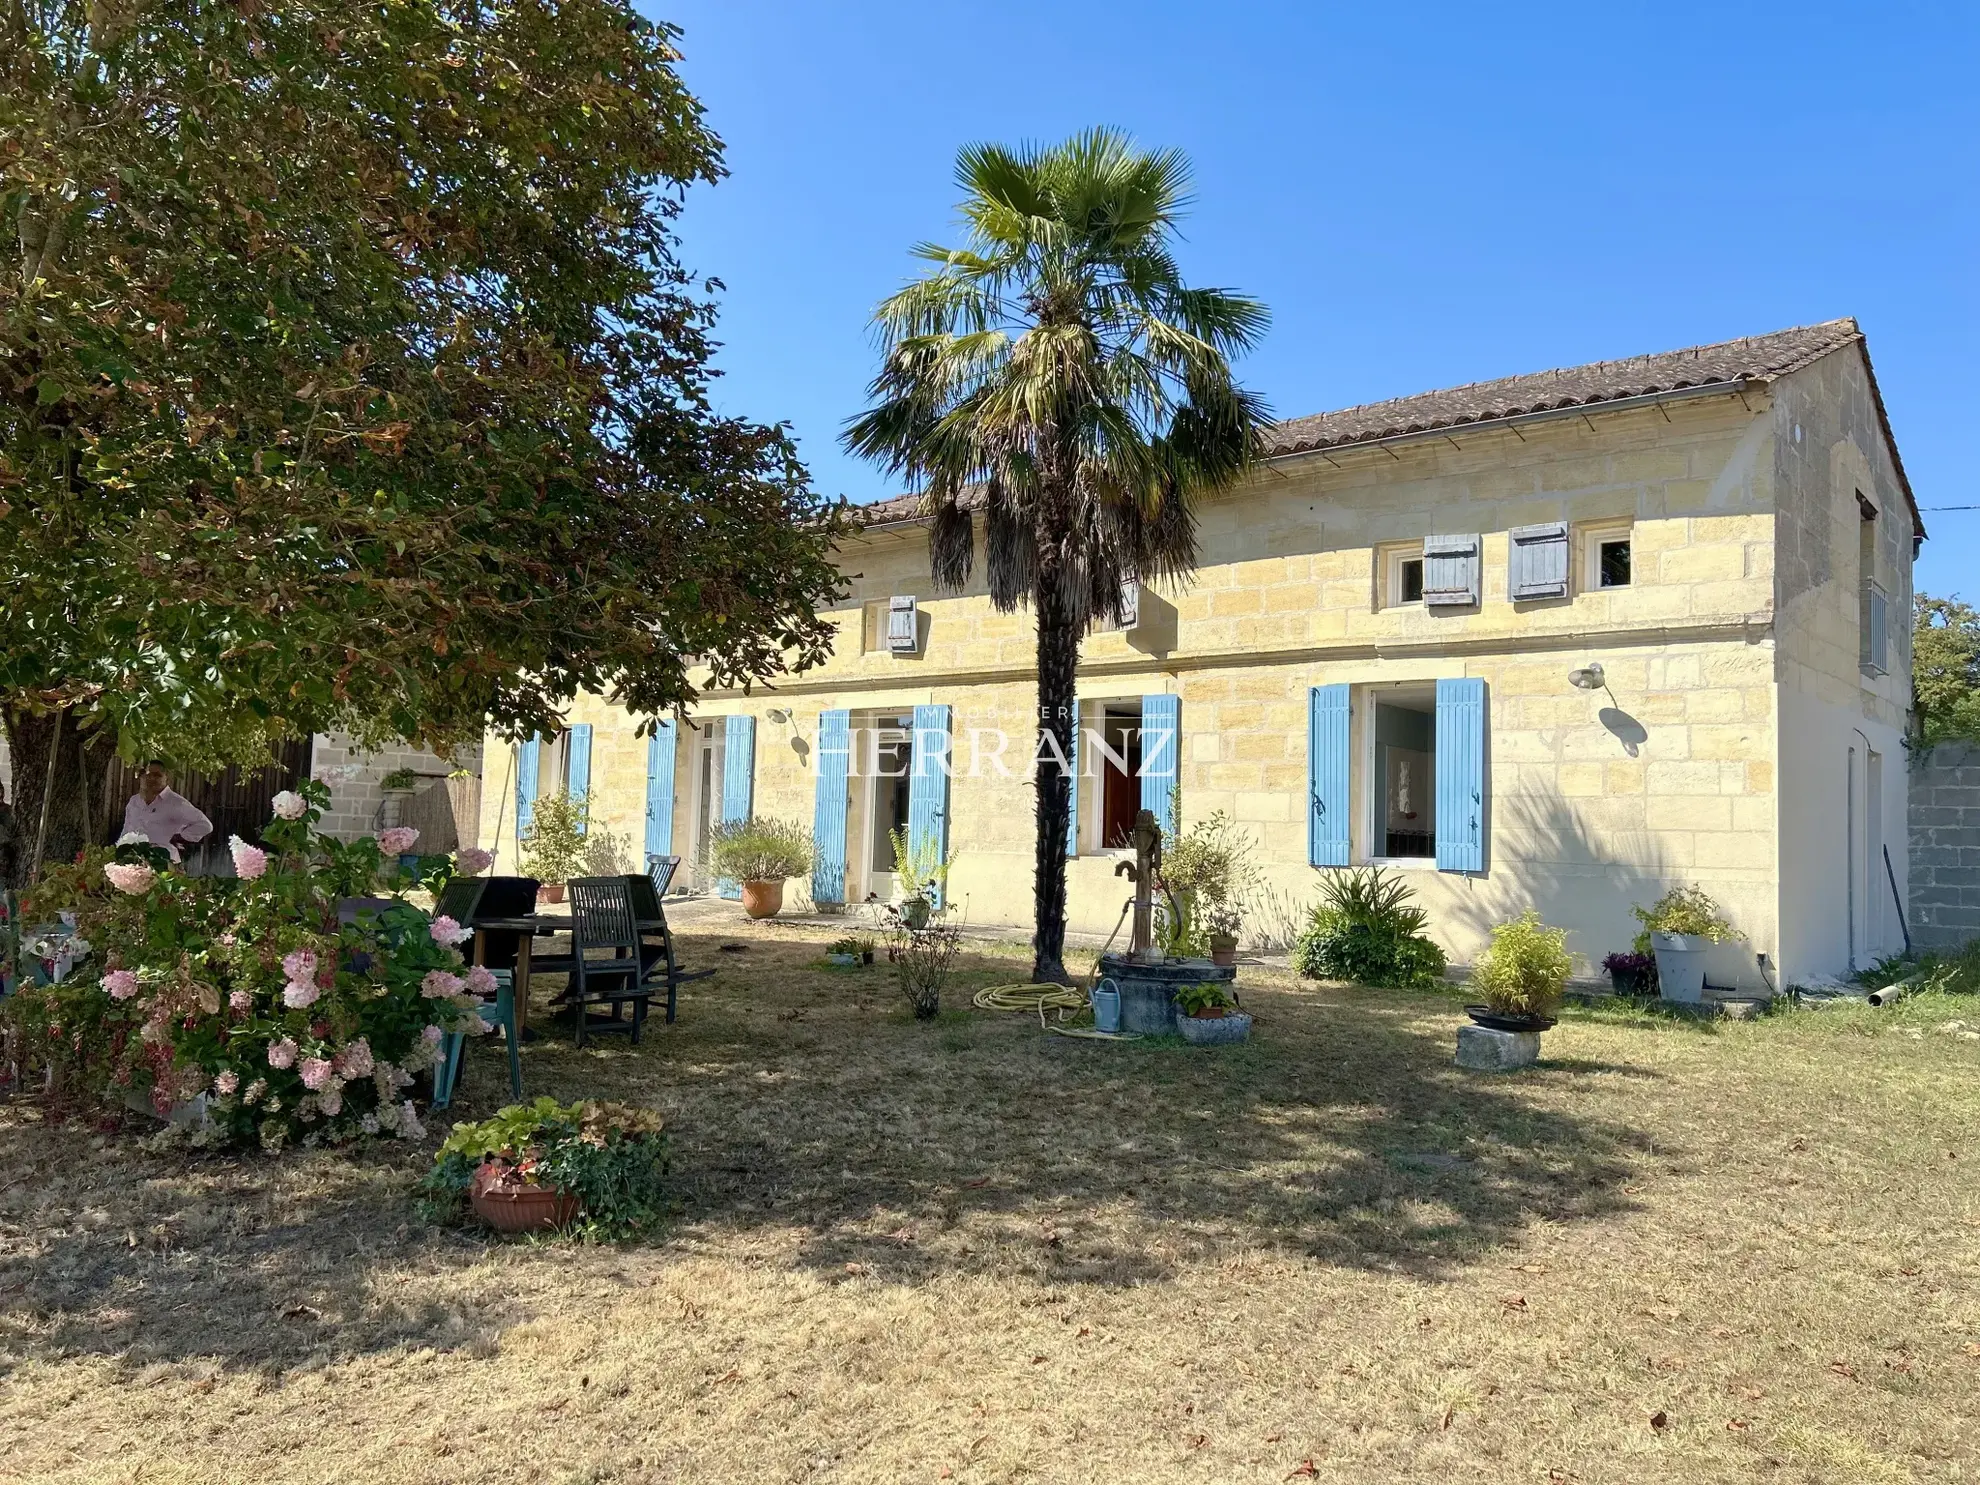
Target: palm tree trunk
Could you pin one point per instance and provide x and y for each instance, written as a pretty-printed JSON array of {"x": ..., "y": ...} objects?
[{"x": 1058, "y": 666}]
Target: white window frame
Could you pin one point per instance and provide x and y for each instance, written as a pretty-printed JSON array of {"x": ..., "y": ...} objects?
[
  {"x": 1593, "y": 539},
  {"x": 1092, "y": 785},
  {"x": 1393, "y": 559},
  {"x": 1372, "y": 820},
  {"x": 873, "y": 626}
]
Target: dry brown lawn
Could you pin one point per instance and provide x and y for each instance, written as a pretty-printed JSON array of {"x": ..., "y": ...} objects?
[{"x": 971, "y": 1251}]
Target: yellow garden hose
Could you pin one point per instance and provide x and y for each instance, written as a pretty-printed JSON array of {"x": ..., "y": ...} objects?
[{"x": 1039, "y": 998}]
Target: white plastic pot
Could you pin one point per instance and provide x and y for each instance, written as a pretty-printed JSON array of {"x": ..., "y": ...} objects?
[{"x": 1681, "y": 965}]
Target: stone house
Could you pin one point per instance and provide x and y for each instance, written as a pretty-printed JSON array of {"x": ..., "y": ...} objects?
[{"x": 1373, "y": 664}]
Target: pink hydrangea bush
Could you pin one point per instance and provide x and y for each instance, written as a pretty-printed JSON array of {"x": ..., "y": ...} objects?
[{"x": 298, "y": 1027}]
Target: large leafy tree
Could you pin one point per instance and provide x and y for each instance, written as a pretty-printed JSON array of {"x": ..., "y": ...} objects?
[
  {"x": 1945, "y": 671},
  {"x": 349, "y": 376},
  {"x": 1057, "y": 377}
]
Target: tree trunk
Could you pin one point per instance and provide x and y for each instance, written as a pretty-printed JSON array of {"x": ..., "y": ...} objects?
[
  {"x": 75, "y": 807},
  {"x": 1058, "y": 721}
]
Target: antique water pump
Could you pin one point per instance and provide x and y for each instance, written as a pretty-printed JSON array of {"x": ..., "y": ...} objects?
[{"x": 1144, "y": 871}]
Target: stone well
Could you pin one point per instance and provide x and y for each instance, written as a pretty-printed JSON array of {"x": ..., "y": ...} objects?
[{"x": 1148, "y": 991}]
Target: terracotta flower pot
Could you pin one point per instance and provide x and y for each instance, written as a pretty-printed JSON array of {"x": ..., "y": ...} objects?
[
  {"x": 550, "y": 892},
  {"x": 517, "y": 1207},
  {"x": 1223, "y": 952},
  {"x": 763, "y": 899}
]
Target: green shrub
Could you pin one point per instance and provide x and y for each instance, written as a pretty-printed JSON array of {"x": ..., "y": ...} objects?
[
  {"x": 1208, "y": 996},
  {"x": 1213, "y": 871},
  {"x": 762, "y": 850},
  {"x": 555, "y": 847},
  {"x": 1687, "y": 910},
  {"x": 612, "y": 1156},
  {"x": 400, "y": 778},
  {"x": 1367, "y": 929},
  {"x": 1526, "y": 969}
]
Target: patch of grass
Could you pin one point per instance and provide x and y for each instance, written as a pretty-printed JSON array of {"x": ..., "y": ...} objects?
[{"x": 902, "y": 1248}]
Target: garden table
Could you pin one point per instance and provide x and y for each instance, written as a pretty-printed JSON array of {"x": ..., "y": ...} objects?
[{"x": 528, "y": 927}]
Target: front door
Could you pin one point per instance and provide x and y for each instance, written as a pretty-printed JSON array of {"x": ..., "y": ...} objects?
[{"x": 707, "y": 787}]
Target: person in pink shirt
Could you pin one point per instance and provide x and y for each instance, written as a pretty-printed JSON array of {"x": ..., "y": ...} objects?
[{"x": 162, "y": 816}]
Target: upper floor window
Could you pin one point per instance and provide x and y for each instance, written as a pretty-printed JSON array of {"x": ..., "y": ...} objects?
[
  {"x": 1402, "y": 576},
  {"x": 1872, "y": 604},
  {"x": 1607, "y": 557},
  {"x": 873, "y": 626}
]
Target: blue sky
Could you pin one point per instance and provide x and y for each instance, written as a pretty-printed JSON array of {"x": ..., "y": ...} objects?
[{"x": 1423, "y": 194}]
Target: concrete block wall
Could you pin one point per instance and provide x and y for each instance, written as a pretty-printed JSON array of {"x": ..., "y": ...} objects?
[
  {"x": 1945, "y": 846},
  {"x": 354, "y": 800}
]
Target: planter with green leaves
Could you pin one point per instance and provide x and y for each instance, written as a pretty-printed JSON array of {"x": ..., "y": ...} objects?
[
  {"x": 849, "y": 952},
  {"x": 1207, "y": 1015},
  {"x": 1212, "y": 873},
  {"x": 921, "y": 876},
  {"x": 394, "y": 790},
  {"x": 532, "y": 1167},
  {"x": 761, "y": 854},
  {"x": 1682, "y": 927},
  {"x": 1523, "y": 975},
  {"x": 1368, "y": 930}
]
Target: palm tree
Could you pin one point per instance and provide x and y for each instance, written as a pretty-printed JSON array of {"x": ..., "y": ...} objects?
[{"x": 1056, "y": 376}]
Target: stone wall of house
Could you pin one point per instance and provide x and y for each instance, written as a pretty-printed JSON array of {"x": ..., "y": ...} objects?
[
  {"x": 1945, "y": 846},
  {"x": 355, "y": 775},
  {"x": 1598, "y": 801}
]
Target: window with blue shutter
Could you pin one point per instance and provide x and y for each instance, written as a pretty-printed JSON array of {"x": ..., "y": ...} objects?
[
  {"x": 1539, "y": 561},
  {"x": 902, "y": 638},
  {"x": 1450, "y": 570},
  {"x": 1072, "y": 784},
  {"x": 660, "y": 789},
  {"x": 928, "y": 787},
  {"x": 1161, "y": 740},
  {"x": 577, "y": 772},
  {"x": 1461, "y": 781},
  {"x": 529, "y": 764},
  {"x": 828, "y": 820},
  {"x": 1329, "y": 819},
  {"x": 738, "y": 781}
]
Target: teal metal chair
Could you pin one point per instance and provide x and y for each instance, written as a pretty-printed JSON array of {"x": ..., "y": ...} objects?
[{"x": 501, "y": 1011}]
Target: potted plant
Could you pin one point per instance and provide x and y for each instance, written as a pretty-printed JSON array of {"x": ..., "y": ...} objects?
[
  {"x": 1681, "y": 927},
  {"x": 394, "y": 790},
  {"x": 1368, "y": 930},
  {"x": 761, "y": 854},
  {"x": 843, "y": 952},
  {"x": 533, "y": 1167},
  {"x": 1632, "y": 973},
  {"x": 1523, "y": 975},
  {"x": 1210, "y": 872},
  {"x": 1207, "y": 1015},
  {"x": 555, "y": 846},
  {"x": 921, "y": 876}
]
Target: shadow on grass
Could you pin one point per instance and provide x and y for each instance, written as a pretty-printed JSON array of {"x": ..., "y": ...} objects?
[{"x": 810, "y": 1112}]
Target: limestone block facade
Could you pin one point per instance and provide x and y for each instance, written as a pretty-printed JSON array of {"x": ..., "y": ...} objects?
[{"x": 1715, "y": 542}]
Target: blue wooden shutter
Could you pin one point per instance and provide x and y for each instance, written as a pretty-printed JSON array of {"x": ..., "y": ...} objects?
[
  {"x": 1161, "y": 738},
  {"x": 828, "y": 819},
  {"x": 1329, "y": 824},
  {"x": 1072, "y": 785},
  {"x": 660, "y": 790},
  {"x": 1539, "y": 561},
  {"x": 903, "y": 637},
  {"x": 738, "y": 781},
  {"x": 577, "y": 772},
  {"x": 1461, "y": 775},
  {"x": 928, "y": 785},
  {"x": 1450, "y": 570},
  {"x": 529, "y": 761}
]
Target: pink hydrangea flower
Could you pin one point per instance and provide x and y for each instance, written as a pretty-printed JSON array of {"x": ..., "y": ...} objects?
[
  {"x": 134, "y": 877},
  {"x": 241, "y": 1001},
  {"x": 300, "y": 994},
  {"x": 472, "y": 861},
  {"x": 447, "y": 933},
  {"x": 439, "y": 983},
  {"x": 432, "y": 1034},
  {"x": 226, "y": 1083},
  {"x": 398, "y": 840},
  {"x": 121, "y": 984},
  {"x": 249, "y": 861},
  {"x": 282, "y": 1053},
  {"x": 481, "y": 980},
  {"x": 316, "y": 1072},
  {"x": 354, "y": 1061},
  {"x": 289, "y": 805},
  {"x": 299, "y": 964}
]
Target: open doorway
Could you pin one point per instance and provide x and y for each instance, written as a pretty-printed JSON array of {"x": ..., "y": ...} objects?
[
  {"x": 705, "y": 758},
  {"x": 882, "y": 749},
  {"x": 1109, "y": 765},
  {"x": 1402, "y": 770}
]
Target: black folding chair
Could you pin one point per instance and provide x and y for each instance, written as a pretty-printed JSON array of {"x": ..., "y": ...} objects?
[
  {"x": 606, "y": 962},
  {"x": 459, "y": 899},
  {"x": 661, "y": 870},
  {"x": 659, "y": 964}
]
